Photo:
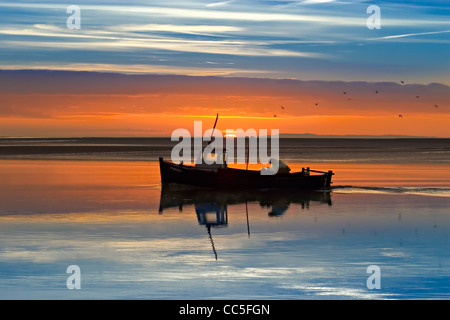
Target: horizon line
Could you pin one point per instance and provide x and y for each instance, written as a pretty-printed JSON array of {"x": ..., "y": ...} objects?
[{"x": 281, "y": 136}]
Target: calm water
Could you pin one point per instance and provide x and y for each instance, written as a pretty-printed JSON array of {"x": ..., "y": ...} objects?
[{"x": 133, "y": 241}]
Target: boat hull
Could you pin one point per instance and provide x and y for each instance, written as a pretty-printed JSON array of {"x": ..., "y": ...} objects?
[{"x": 230, "y": 178}]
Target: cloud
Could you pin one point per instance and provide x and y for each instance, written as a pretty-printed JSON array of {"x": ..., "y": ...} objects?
[
  {"x": 219, "y": 4},
  {"x": 413, "y": 34},
  {"x": 241, "y": 13},
  {"x": 188, "y": 29},
  {"x": 281, "y": 39},
  {"x": 109, "y": 40},
  {"x": 316, "y": 1},
  {"x": 56, "y": 93},
  {"x": 138, "y": 69}
]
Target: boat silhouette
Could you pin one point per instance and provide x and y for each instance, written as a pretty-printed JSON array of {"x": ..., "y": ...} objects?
[
  {"x": 212, "y": 171},
  {"x": 226, "y": 178}
]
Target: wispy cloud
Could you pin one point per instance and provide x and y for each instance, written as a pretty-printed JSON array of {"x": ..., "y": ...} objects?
[
  {"x": 315, "y": 1},
  {"x": 243, "y": 14},
  {"x": 138, "y": 69},
  {"x": 413, "y": 34},
  {"x": 310, "y": 39},
  {"x": 108, "y": 40},
  {"x": 188, "y": 29},
  {"x": 219, "y": 4}
]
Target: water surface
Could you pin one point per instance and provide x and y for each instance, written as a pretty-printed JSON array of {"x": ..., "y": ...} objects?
[{"x": 110, "y": 219}]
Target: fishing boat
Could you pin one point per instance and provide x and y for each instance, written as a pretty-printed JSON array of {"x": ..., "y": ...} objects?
[
  {"x": 224, "y": 177},
  {"x": 218, "y": 175}
]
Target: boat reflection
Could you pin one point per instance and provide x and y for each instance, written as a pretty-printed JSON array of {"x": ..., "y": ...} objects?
[
  {"x": 276, "y": 201},
  {"x": 211, "y": 206}
]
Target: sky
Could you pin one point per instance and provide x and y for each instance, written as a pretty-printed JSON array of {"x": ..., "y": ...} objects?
[{"x": 242, "y": 59}]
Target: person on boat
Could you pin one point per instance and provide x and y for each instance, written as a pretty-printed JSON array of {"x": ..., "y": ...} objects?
[
  {"x": 277, "y": 166},
  {"x": 283, "y": 167}
]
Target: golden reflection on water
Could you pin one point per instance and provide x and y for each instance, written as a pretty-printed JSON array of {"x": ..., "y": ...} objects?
[{"x": 132, "y": 187}]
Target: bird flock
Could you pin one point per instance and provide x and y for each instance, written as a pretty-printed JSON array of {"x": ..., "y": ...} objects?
[{"x": 349, "y": 98}]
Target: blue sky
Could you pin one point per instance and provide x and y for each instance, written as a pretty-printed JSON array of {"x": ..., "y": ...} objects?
[{"x": 306, "y": 40}]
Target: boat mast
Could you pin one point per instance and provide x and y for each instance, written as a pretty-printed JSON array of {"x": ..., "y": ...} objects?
[
  {"x": 212, "y": 134},
  {"x": 214, "y": 128}
]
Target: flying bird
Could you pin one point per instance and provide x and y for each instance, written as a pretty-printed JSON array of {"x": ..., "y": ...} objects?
[
  {"x": 402, "y": 81},
  {"x": 282, "y": 107},
  {"x": 417, "y": 97},
  {"x": 344, "y": 92},
  {"x": 400, "y": 116},
  {"x": 436, "y": 106},
  {"x": 275, "y": 115},
  {"x": 316, "y": 104},
  {"x": 376, "y": 91}
]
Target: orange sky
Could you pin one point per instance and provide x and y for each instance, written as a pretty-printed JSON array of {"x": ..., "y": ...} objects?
[{"x": 123, "y": 109}]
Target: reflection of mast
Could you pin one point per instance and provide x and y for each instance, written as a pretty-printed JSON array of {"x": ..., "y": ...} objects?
[
  {"x": 212, "y": 241},
  {"x": 248, "y": 225},
  {"x": 212, "y": 214},
  {"x": 211, "y": 205}
]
